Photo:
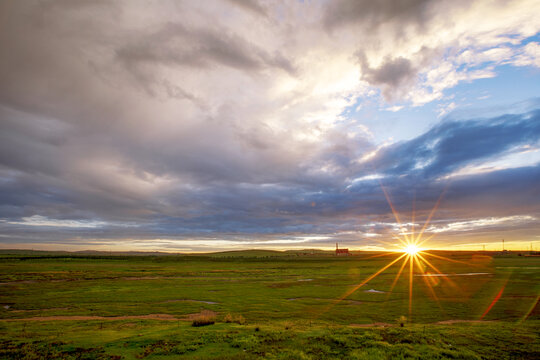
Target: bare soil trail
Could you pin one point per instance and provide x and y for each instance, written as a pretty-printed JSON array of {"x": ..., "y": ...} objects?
[
  {"x": 164, "y": 317},
  {"x": 457, "y": 321},
  {"x": 161, "y": 317},
  {"x": 444, "y": 322}
]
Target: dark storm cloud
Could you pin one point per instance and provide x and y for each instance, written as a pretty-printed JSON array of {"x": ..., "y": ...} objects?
[
  {"x": 517, "y": 192},
  {"x": 174, "y": 44},
  {"x": 373, "y": 13},
  {"x": 393, "y": 72},
  {"x": 390, "y": 75},
  {"x": 250, "y": 5}
]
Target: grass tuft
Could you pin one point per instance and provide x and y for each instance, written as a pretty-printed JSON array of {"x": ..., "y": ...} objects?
[
  {"x": 205, "y": 317},
  {"x": 238, "y": 319}
]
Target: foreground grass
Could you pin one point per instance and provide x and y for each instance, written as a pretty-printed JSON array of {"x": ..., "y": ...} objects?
[{"x": 153, "y": 340}]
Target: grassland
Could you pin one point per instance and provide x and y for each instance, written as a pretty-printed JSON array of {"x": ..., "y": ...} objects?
[{"x": 86, "y": 306}]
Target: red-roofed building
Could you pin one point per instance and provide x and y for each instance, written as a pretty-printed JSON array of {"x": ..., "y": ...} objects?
[{"x": 342, "y": 252}]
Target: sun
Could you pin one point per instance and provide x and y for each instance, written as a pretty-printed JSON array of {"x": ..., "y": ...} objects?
[
  {"x": 411, "y": 249},
  {"x": 411, "y": 254}
]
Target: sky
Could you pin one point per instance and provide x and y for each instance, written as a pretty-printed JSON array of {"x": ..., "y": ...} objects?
[{"x": 195, "y": 126}]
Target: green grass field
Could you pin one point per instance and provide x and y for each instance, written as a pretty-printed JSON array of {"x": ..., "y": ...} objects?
[{"x": 57, "y": 305}]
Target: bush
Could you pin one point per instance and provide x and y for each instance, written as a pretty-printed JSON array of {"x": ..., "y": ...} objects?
[
  {"x": 238, "y": 319},
  {"x": 205, "y": 317}
]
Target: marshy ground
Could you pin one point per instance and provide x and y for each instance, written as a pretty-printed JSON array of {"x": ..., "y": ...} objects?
[{"x": 267, "y": 304}]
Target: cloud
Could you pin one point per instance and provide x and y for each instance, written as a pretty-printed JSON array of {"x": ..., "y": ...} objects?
[
  {"x": 530, "y": 55},
  {"x": 250, "y": 5},
  {"x": 475, "y": 224},
  {"x": 375, "y": 13},
  {"x": 413, "y": 53},
  {"x": 391, "y": 74},
  {"x": 236, "y": 211},
  {"x": 453, "y": 144},
  {"x": 212, "y": 120},
  {"x": 175, "y": 45},
  {"x": 38, "y": 220}
]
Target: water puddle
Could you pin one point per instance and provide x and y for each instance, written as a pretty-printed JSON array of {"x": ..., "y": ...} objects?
[
  {"x": 347, "y": 301},
  {"x": 189, "y": 300},
  {"x": 374, "y": 291},
  {"x": 464, "y": 274}
]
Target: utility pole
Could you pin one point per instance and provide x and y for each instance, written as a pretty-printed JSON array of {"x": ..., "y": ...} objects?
[{"x": 503, "y": 244}]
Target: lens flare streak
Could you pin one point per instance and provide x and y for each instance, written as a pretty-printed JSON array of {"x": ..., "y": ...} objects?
[
  {"x": 412, "y": 255},
  {"x": 497, "y": 297}
]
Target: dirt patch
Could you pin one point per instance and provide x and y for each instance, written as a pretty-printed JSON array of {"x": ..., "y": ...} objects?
[
  {"x": 164, "y": 317},
  {"x": 465, "y": 274},
  {"x": 34, "y": 310},
  {"x": 125, "y": 278},
  {"x": 457, "y": 321},
  {"x": 444, "y": 322},
  {"x": 128, "y": 325},
  {"x": 194, "y": 316},
  {"x": 377, "y": 324},
  {"x": 188, "y": 300},
  {"x": 347, "y": 301},
  {"x": 17, "y": 282}
]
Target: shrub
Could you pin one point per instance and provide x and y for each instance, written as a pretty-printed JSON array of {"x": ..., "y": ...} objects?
[
  {"x": 205, "y": 317},
  {"x": 238, "y": 319},
  {"x": 228, "y": 318}
]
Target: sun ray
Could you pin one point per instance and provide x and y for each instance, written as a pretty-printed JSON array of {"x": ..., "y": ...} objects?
[
  {"x": 390, "y": 242},
  {"x": 385, "y": 253},
  {"x": 448, "y": 259},
  {"x": 430, "y": 215},
  {"x": 420, "y": 243},
  {"x": 412, "y": 254},
  {"x": 413, "y": 214},
  {"x": 388, "y": 253},
  {"x": 403, "y": 242},
  {"x": 356, "y": 287},
  {"x": 396, "y": 215},
  {"x": 397, "y": 277},
  {"x": 410, "y": 286},
  {"x": 432, "y": 291},
  {"x": 446, "y": 278}
]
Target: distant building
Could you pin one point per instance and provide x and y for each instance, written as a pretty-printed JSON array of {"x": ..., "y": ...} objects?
[{"x": 342, "y": 252}]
